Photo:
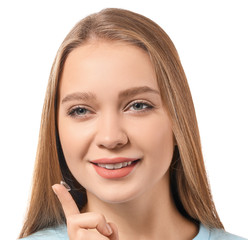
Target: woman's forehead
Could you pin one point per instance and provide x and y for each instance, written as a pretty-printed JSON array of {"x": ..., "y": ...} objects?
[{"x": 109, "y": 65}]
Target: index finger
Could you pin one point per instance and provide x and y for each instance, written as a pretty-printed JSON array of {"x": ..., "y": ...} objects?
[{"x": 68, "y": 204}]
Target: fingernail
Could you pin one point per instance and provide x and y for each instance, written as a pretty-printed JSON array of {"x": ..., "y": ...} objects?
[
  {"x": 110, "y": 231},
  {"x": 65, "y": 185}
]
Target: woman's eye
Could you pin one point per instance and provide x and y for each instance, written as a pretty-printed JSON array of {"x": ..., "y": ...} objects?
[
  {"x": 78, "y": 112},
  {"x": 140, "y": 106}
]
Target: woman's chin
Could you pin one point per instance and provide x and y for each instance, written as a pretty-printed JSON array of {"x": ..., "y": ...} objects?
[{"x": 114, "y": 197}]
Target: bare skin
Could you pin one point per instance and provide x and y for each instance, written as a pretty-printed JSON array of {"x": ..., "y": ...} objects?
[
  {"x": 79, "y": 225},
  {"x": 105, "y": 123}
]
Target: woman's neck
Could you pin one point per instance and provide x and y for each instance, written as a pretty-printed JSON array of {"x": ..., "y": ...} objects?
[{"x": 152, "y": 215}]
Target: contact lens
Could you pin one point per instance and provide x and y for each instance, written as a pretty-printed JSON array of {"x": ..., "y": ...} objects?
[{"x": 65, "y": 185}]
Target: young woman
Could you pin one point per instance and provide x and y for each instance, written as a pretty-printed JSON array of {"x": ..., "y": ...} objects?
[{"x": 119, "y": 128}]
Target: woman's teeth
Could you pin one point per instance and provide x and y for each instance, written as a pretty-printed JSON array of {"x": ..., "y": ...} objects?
[{"x": 115, "y": 165}]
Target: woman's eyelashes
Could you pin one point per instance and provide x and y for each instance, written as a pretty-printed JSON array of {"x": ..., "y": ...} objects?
[
  {"x": 133, "y": 107},
  {"x": 139, "y": 106},
  {"x": 79, "y": 112}
]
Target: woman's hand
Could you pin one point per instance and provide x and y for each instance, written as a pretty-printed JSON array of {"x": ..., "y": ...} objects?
[{"x": 79, "y": 224}]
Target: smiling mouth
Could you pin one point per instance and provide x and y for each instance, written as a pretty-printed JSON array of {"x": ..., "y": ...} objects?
[
  {"x": 113, "y": 166},
  {"x": 116, "y": 168}
]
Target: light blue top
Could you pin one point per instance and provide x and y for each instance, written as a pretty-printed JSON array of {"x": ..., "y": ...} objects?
[{"x": 60, "y": 233}]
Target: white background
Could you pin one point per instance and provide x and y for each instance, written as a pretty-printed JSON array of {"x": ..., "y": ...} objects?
[{"x": 212, "y": 41}]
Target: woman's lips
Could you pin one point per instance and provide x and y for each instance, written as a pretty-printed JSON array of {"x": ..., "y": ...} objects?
[
  {"x": 111, "y": 168},
  {"x": 113, "y": 160}
]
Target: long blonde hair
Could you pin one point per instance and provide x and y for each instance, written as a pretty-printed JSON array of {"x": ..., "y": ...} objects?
[{"x": 189, "y": 183}]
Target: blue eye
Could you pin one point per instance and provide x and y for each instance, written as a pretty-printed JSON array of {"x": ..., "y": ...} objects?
[
  {"x": 141, "y": 106},
  {"x": 78, "y": 111}
]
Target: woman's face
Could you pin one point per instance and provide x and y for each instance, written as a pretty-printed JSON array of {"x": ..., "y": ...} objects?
[{"x": 115, "y": 134}]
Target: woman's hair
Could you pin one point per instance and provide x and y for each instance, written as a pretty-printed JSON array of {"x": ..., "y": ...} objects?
[{"x": 188, "y": 179}]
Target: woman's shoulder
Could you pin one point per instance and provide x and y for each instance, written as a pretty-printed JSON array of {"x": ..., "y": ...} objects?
[
  {"x": 206, "y": 233},
  {"x": 55, "y": 233},
  {"x": 218, "y": 234}
]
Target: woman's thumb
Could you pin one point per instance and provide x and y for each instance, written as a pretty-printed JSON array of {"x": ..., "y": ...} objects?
[{"x": 114, "y": 235}]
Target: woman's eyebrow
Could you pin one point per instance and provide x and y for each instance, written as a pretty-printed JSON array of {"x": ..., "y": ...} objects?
[
  {"x": 88, "y": 96},
  {"x": 80, "y": 96},
  {"x": 137, "y": 90}
]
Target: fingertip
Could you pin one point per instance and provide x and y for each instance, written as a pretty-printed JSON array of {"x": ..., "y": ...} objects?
[
  {"x": 54, "y": 187},
  {"x": 58, "y": 188}
]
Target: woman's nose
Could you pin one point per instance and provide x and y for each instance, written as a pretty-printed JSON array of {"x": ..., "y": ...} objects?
[{"x": 110, "y": 133}]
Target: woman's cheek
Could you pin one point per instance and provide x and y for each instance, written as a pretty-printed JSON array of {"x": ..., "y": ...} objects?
[
  {"x": 74, "y": 140},
  {"x": 157, "y": 142}
]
